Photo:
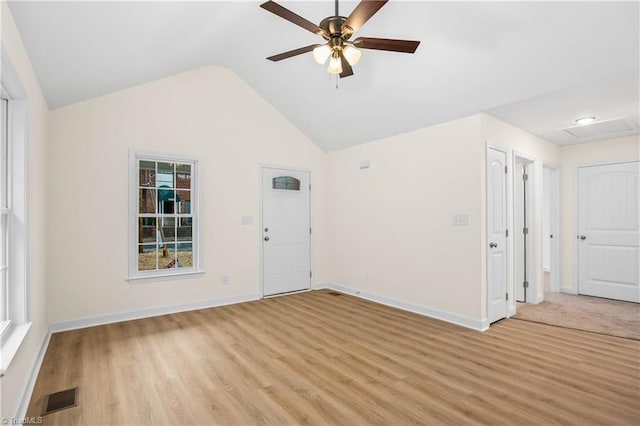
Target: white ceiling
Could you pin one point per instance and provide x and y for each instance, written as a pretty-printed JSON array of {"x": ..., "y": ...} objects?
[{"x": 538, "y": 65}]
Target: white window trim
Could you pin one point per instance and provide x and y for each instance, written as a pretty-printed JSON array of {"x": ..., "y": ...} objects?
[
  {"x": 136, "y": 276},
  {"x": 16, "y": 328}
]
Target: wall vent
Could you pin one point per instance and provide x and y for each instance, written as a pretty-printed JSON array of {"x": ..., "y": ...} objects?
[{"x": 602, "y": 128}]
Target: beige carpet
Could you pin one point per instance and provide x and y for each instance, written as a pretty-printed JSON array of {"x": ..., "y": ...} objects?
[{"x": 586, "y": 313}]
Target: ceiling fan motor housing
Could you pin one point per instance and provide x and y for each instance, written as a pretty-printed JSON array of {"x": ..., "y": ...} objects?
[{"x": 333, "y": 26}]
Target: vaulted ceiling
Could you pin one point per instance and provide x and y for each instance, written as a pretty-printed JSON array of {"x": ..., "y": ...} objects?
[{"x": 538, "y": 65}]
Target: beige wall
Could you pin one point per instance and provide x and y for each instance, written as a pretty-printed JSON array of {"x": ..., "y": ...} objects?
[
  {"x": 208, "y": 112},
  {"x": 573, "y": 156},
  {"x": 13, "y": 384},
  {"x": 390, "y": 229},
  {"x": 517, "y": 141}
]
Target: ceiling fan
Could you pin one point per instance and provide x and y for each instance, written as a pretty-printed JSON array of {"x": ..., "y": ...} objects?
[{"x": 337, "y": 31}]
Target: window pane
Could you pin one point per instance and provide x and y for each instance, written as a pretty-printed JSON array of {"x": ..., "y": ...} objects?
[
  {"x": 286, "y": 182},
  {"x": 4, "y": 156},
  {"x": 185, "y": 230},
  {"x": 166, "y": 201},
  {"x": 146, "y": 200},
  {"x": 183, "y": 202},
  {"x": 147, "y": 257},
  {"x": 183, "y": 176},
  {"x": 3, "y": 295},
  {"x": 185, "y": 255},
  {"x": 167, "y": 257},
  {"x": 165, "y": 222},
  {"x": 4, "y": 272},
  {"x": 3, "y": 239},
  {"x": 165, "y": 175},
  {"x": 147, "y": 173},
  {"x": 167, "y": 229},
  {"x": 147, "y": 232}
]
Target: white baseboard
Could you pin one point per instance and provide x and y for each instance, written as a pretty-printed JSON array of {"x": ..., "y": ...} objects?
[
  {"x": 23, "y": 405},
  {"x": 320, "y": 286},
  {"x": 568, "y": 290},
  {"x": 480, "y": 325},
  {"x": 148, "y": 312}
]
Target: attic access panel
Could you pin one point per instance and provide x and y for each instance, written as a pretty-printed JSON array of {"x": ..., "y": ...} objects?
[{"x": 601, "y": 128}]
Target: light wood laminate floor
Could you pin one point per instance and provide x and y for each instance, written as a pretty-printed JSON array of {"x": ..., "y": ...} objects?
[{"x": 315, "y": 358}]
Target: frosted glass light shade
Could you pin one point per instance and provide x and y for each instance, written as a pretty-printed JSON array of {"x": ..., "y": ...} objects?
[
  {"x": 321, "y": 53},
  {"x": 351, "y": 54},
  {"x": 335, "y": 66}
]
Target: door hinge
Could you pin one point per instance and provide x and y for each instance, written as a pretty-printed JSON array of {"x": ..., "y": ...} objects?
[
  {"x": 309, "y": 187},
  {"x": 506, "y": 295},
  {"x": 309, "y": 231},
  {"x": 310, "y": 274},
  {"x": 525, "y": 284},
  {"x": 505, "y": 169},
  {"x": 525, "y": 177},
  {"x": 525, "y": 230},
  {"x": 506, "y": 232}
]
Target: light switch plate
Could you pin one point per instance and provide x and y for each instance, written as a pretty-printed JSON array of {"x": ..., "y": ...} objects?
[{"x": 460, "y": 219}]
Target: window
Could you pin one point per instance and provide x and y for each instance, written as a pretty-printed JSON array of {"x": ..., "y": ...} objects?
[
  {"x": 4, "y": 219},
  {"x": 14, "y": 319},
  {"x": 286, "y": 182},
  {"x": 164, "y": 216}
]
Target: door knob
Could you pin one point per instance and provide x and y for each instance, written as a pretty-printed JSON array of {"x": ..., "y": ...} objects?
[
  {"x": 266, "y": 238},
  {"x": 583, "y": 237},
  {"x": 493, "y": 245}
]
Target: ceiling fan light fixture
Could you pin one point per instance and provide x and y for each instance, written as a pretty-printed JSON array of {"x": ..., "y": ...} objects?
[
  {"x": 585, "y": 120},
  {"x": 335, "y": 65},
  {"x": 321, "y": 53},
  {"x": 351, "y": 54}
]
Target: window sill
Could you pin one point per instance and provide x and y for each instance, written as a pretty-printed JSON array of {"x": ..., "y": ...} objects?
[
  {"x": 164, "y": 277},
  {"x": 12, "y": 344}
]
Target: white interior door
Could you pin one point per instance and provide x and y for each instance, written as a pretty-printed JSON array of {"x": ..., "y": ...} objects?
[
  {"x": 286, "y": 231},
  {"x": 496, "y": 235},
  {"x": 608, "y": 231}
]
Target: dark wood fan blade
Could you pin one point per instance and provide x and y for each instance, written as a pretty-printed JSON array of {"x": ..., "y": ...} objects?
[
  {"x": 406, "y": 46},
  {"x": 295, "y": 52},
  {"x": 347, "y": 70},
  {"x": 361, "y": 14},
  {"x": 285, "y": 13}
]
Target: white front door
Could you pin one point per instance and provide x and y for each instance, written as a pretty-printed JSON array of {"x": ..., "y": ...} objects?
[
  {"x": 286, "y": 231},
  {"x": 608, "y": 231},
  {"x": 496, "y": 235}
]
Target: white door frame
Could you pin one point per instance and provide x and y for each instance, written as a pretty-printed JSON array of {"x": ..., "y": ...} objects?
[
  {"x": 534, "y": 294},
  {"x": 554, "y": 225},
  {"x": 261, "y": 168},
  {"x": 510, "y": 303}
]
